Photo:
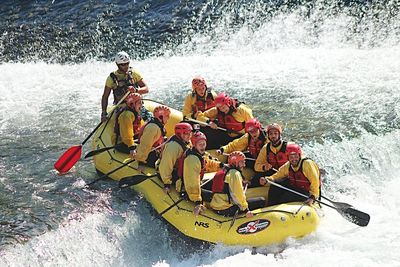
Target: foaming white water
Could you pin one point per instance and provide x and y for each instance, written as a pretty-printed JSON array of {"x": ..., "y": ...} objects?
[{"x": 338, "y": 88}]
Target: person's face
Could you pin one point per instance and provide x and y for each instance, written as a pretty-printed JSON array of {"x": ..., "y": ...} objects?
[
  {"x": 138, "y": 105},
  {"x": 254, "y": 133},
  {"x": 223, "y": 108},
  {"x": 164, "y": 119},
  {"x": 201, "y": 146},
  {"x": 274, "y": 136},
  {"x": 200, "y": 89},
  {"x": 242, "y": 164},
  {"x": 294, "y": 159},
  {"x": 186, "y": 136},
  {"x": 123, "y": 67}
]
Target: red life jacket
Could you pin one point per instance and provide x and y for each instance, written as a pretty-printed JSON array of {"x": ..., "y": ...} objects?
[
  {"x": 254, "y": 146},
  {"x": 227, "y": 121},
  {"x": 160, "y": 125},
  {"x": 298, "y": 179},
  {"x": 278, "y": 159},
  {"x": 180, "y": 166},
  {"x": 179, "y": 162},
  {"x": 122, "y": 85},
  {"x": 136, "y": 123},
  {"x": 201, "y": 103}
]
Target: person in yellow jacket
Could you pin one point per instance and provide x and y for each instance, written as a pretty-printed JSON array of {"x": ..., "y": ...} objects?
[
  {"x": 127, "y": 124},
  {"x": 151, "y": 137},
  {"x": 299, "y": 174},
  {"x": 120, "y": 81},
  {"x": 171, "y": 155},
  {"x": 252, "y": 142},
  {"x": 272, "y": 155},
  {"x": 196, "y": 163},
  {"x": 200, "y": 99},
  {"x": 229, "y": 114},
  {"x": 229, "y": 196}
]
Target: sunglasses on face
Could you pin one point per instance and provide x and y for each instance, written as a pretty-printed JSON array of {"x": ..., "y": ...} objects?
[{"x": 124, "y": 64}]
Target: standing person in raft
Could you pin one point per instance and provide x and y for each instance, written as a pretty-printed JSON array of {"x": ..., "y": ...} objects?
[
  {"x": 252, "y": 142},
  {"x": 229, "y": 114},
  {"x": 172, "y": 154},
  {"x": 127, "y": 124},
  {"x": 300, "y": 174},
  {"x": 196, "y": 162},
  {"x": 200, "y": 99},
  {"x": 151, "y": 137},
  {"x": 229, "y": 195},
  {"x": 122, "y": 80}
]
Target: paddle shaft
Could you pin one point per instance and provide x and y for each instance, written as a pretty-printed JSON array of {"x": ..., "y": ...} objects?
[
  {"x": 237, "y": 212},
  {"x": 111, "y": 172},
  {"x": 208, "y": 125}
]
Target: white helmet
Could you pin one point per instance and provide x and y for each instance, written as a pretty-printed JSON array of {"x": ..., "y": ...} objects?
[{"x": 122, "y": 57}]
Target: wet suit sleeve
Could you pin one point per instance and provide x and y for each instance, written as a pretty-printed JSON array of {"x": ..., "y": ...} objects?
[
  {"x": 191, "y": 177},
  {"x": 235, "y": 181},
  {"x": 151, "y": 133},
  {"x": 261, "y": 160},
  {"x": 126, "y": 128},
  {"x": 239, "y": 144},
  {"x": 311, "y": 171},
  {"x": 187, "y": 106},
  {"x": 172, "y": 151}
]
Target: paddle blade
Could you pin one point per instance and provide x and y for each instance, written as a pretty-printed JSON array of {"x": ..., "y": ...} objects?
[
  {"x": 133, "y": 180},
  {"x": 68, "y": 159},
  {"x": 355, "y": 216}
]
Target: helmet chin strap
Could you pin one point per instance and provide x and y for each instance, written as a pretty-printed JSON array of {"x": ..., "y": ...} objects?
[{"x": 277, "y": 143}]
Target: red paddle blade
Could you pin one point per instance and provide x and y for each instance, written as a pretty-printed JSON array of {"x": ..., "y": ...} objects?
[{"x": 68, "y": 159}]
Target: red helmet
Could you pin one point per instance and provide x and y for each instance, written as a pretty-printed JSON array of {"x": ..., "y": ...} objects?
[
  {"x": 222, "y": 99},
  {"x": 293, "y": 148},
  {"x": 274, "y": 126},
  {"x": 198, "y": 82},
  {"x": 197, "y": 136},
  {"x": 183, "y": 128},
  {"x": 235, "y": 157},
  {"x": 132, "y": 99},
  {"x": 161, "y": 111},
  {"x": 252, "y": 124}
]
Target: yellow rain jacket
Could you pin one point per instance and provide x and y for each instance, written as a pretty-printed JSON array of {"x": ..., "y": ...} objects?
[
  {"x": 125, "y": 120},
  {"x": 190, "y": 103},
  {"x": 192, "y": 174},
  {"x": 242, "y": 114},
  {"x": 151, "y": 134},
  {"x": 171, "y": 153},
  {"x": 220, "y": 201},
  {"x": 310, "y": 170}
]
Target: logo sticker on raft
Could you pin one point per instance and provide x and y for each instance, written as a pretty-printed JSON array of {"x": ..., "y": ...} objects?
[{"x": 252, "y": 227}]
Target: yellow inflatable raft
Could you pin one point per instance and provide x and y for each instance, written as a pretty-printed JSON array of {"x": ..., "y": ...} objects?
[{"x": 269, "y": 225}]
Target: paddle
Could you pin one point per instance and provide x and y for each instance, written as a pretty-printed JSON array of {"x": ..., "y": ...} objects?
[
  {"x": 237, "y": 212},
  {"x": 73, "y": 154},
  {"x": 347, "y": 211},
  {"x": 101, "y": 150},
  {"x": 206, "y": 124},
  {"x": 111, "y": 172},
  {"x": 98, "y": 151},
  {"x": 134, "y": 180}
]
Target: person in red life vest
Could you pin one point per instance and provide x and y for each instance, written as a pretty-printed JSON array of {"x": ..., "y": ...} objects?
[
  {"x": 227, "y": 187},
  {"x": 200, "y": 99},
  {"x": 272, "y": 155},
  {"x": 171, "y": 155},
  {"x": 252, "y": 142},
  {"x": 127, "y": 124},
  {"x": 122, "y": 80},
  {"x": 151, "y": 137},
  {"x": 299, "y": 174},
  {"x": 229, "y": 114},
  {"x": 196, "y": 162}
]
